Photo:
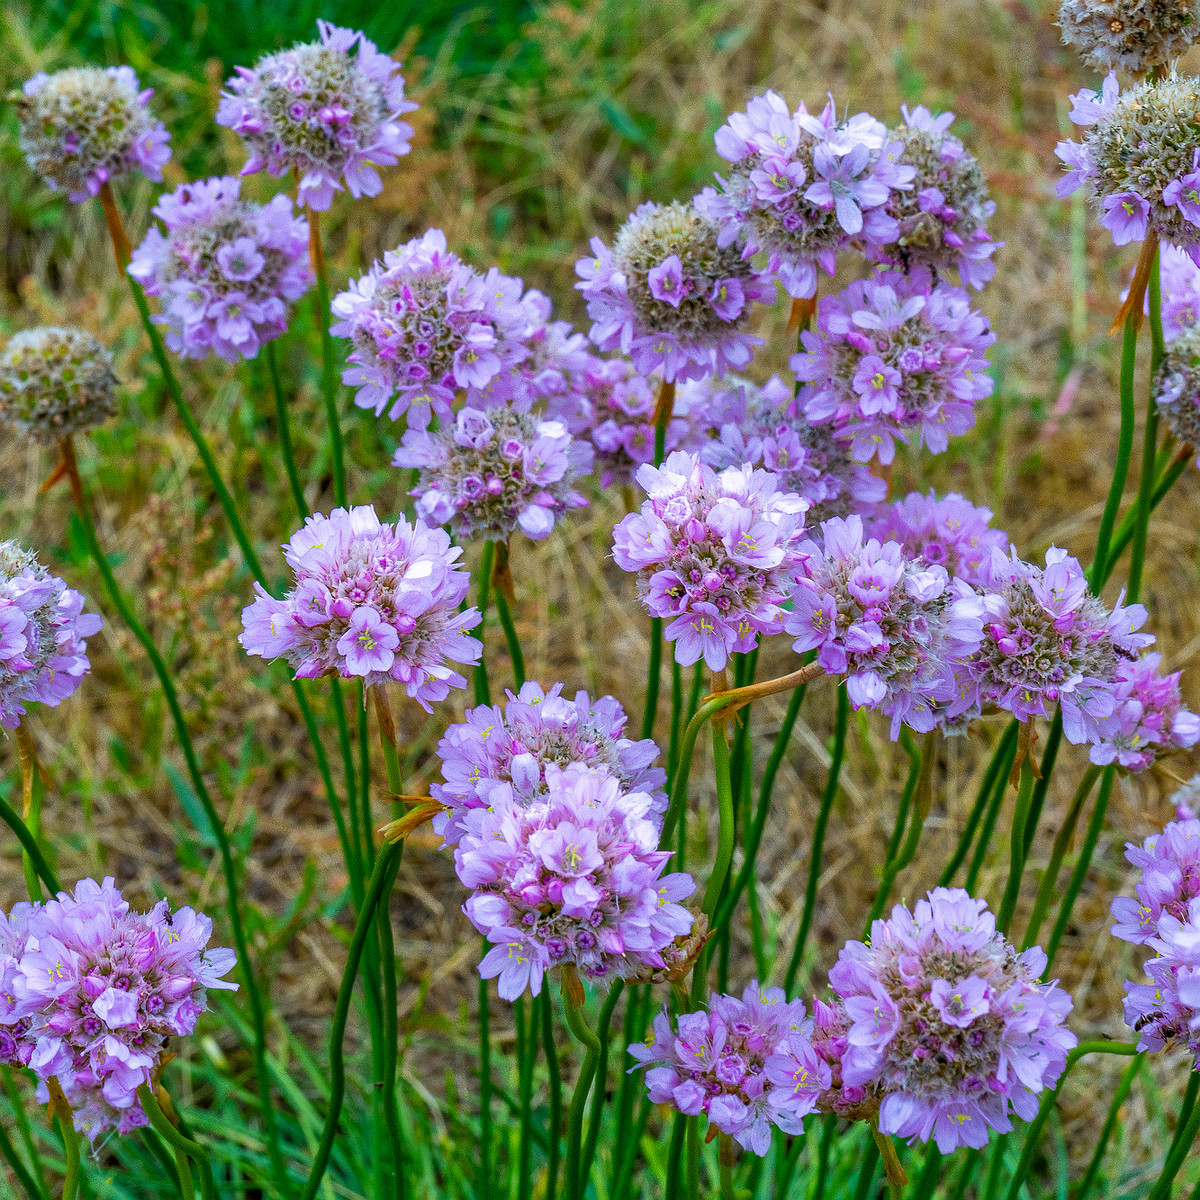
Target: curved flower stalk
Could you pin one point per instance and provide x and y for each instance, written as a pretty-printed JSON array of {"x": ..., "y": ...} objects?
[
  {"x": 329, "y": 111},
  {"x": 803, "y": 187},
  {"x": 88, "y": 127},
  {"x": 226, "y": 270},
  {"x": 894, "y": 357}
]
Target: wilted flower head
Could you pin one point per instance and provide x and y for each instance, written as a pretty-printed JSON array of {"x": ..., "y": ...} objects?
[
  {"x": 87, "y": 126},
  {"x": 714, "y": 554},
  {"x": 1177, "y": 387},
  {"x": 425, "y": 325},
  {"x": 745, "y": 1064},
  {"x": 1140, "y": 157},
  {"x": 671, "y": 295},
  {"x": 1165, "y": 915},
  {"x": 802, "y": 187},
  {"x": 371, "y": 601},
  {"x": 948, "y": 1027},
  {"x": 92, "y": 992},
  {"x": 891, "y": 624},
  {"x": 943, "y": 216},
  {"x": 950, "y": 532},
  {"x": 1149, "y": 720},
  {"x": 55, "y": 382},
  {"x": 1128, "y": 35},
  {"x": 226, "y": 269},
  {"x": 496, "y": 470},
  {"x": 323, "y": 110},
  {"x": 535, "y": 729},
  {"x": 758, "y": 425},
  {"x": 572, "y": 875},
  {"x": 894, "y": 356},
  {"x": 43, "y": 654},
  {"x": 1047, "y": 640}
]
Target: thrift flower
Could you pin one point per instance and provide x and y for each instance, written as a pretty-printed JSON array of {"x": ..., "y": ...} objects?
[
  {"x": 1177, "y": 387},
  {"x": 891, "y": 624},
  {"x": 92, "y": 993},
  {"x": 516, "y": 744},
  {"x": 948, "y": 1029},
  {"x": 895, "y": 356},
  {"x": 571, "y": 875},
  {"x": 671, "y": 295},
  {"x": 801, "y": 188},
  {"x": 745, "y": 1064},
  {"x": 495, "y": 471},
  {"x": 327, "y": 110},
  {"x": 226, "y": 269},
  {"x": 1128, "y": 35},
  {"x": 371, "y": 601},
  {"x": 43, "y": 651},
  {"x": 1149, "y": 720},
  {"x": 714, "y": 554},
  {"x": 87, "y": 126},
  {"x": 950, "y": 532},
  {"x": 55, "y": 382},
  {"x": 425, "y": 325}
]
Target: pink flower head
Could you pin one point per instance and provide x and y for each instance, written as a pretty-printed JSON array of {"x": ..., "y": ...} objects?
[
  {"x": 1149, "y": 720},
  {"x": 747, "y": 1064},
  {"x": 568, "y": 873},
  {"x": 895, "y": 356},
  {"x": 714, "y": 554},
  {"x": 804, "y": 187},
  {"x": 371, "y": 601},
  {"x": 940, "y": 1026},
  {"x": 226, "y": 269},
  {"x": 327, "y": 110}
]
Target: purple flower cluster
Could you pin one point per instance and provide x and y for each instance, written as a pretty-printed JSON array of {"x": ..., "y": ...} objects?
[
  {"x": 371, "y": 601},
  {"x": 1047, "y": 640},
  {"x": 672, "y": 293},
  {"x": 43, "y": 652},
  {"x": 88, "y": 126},
  {"x": 1140, "y": 158},
  {"x": 1165, "y": 915},
  {"x": 891, "y": 624},
  {"x": 950, "y": 532},
  {"x": 324, "y": 111},
  {"x": 226, "y": 269},
  {"x": 494, "y": 471},
  {"x": 759, "y": 425},
  {"x": 1176, "y": 387},
  {"x": 746, "y": 1064},
  {"x": 714, "y": 554},
  {"x": 944, "y": 1027},
  {"x": 894, "y": 356},
  {"x": 802, "y": 187},
  {"x": 1179, "y": 279},
  {"x": 535, "y": 730},
  {"x": 1149, "y": 720},
  {"x": 90, "y": 993},
  {"x": 424, "y": 325},
  {"x": 942, "y": 217},
  {"x": 573, "y": 875}
]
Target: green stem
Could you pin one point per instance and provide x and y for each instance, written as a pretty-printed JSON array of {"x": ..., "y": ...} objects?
[
  {"x": 483, "y": 693},
  {"x": 720, "y": 870},
  {"x": 693, "y": 1158},
  {"x": 1110, "y": 1121},
  {"x": 653, "y": 673},
  {"x": 354, "y": 863},
  {"x": 70, "y": 1139},
  {"x": 683, "y": 770},
  {"x": 576, "y": 1182},
  {"x": 725, "y": 1164},
  {"x": 679, "y": 1129},
  {"x": 1166, "y": 481},
  {"x": 284, "y": 426},
  {"x": 527, "y": 1043},
  {"x": 603, "y": 1027},
  {"x": 9, "y": 816},
  {"x": 554, "y": 1125},
  {"x": 510, "y": 638},
  {"x": 1145, "y": 497},
  {"x": 818, "y": 839},
  {"x": 382, "y": 878},
  {"x": 23, "y": 1126},
  {"x": 1186, "y": 1133},
  {"x": 999, "y": 790},
  {"x": 919, "y": 786},
  {"x": 184, "y": 1147},
  {"x": 1042, "y": 786},
  {"x": 329, "y": 370},
  {"x": 1048, "y": 890},
  {"x": 676, "y": 717},
  {"x": 1016, "y": 866},
  {"x": 18, "y": 1168}
]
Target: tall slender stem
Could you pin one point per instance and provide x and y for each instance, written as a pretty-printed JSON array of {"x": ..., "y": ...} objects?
[
  {"x": 283, "y": 424},
  {"x": 66, "y": 1129},
  {"x": 29, "y": 846},
  {"x": 1110, "y": 1123},
  {"x": 510, "y": 638},
  {"x": 653, "y": 677},
  {"x": 725, "y": 815},
  {"x": 576, "y": 1183},
  {"x": 31, "y": 807},
  {"x": 1186, "y": 1133},
  {"x": 329, "y": 371},
  {"x": 1145, "y": 497},
  {"x": 818, "y": 838},
  {"x": 603, "y": 1028},
  {"x": 24, "y": 1177},
  {"x": 527, "y": 1042},
  {"x": 725, "y": 1164},
  {"x": 999, "y": 766},
  {"x": 184, "y": 1147},
  {"x": 1016, "y": 867},
  {"x": 664, "y": 410},
  {"x": 554, "y": 1077}
]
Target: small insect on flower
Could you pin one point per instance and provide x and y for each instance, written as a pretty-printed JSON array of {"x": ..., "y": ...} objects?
[
  {"x": 43, "y": 651},
  {"x": 87, "y": 126},
  {"x": 671, "y": 294},
  {"x": 371, "y": 601},
  {"x": 327, "y": 110},
  {"x": 55, "y": 382},
  {"x": 226, "y": 269},
  {"x": 1129, "y": 35}
]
